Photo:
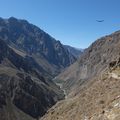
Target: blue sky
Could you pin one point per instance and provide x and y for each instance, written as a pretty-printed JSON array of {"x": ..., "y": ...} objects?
[{"x": 73, "y": 22}]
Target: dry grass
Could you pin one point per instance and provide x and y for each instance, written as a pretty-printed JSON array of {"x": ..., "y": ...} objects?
[{"x": 96, "y": 102}]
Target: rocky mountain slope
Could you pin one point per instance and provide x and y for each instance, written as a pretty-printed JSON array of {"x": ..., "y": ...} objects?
[
  {"x": 75, "y": 51},
  {"x": 24, "y": 93},
  {"x": 92, "y": 84},
  {"x": 94, "y": 60},
  {"x": 49, "y": 53}
]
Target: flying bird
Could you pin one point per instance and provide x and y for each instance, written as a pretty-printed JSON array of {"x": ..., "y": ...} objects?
[{"x": 100, "y": 20}]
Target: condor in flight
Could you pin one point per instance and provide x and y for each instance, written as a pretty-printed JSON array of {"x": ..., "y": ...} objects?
[{"x": 100, "y": 20}]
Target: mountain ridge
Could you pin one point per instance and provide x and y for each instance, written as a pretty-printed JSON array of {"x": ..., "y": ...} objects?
[{"x": 33, "y": 41}]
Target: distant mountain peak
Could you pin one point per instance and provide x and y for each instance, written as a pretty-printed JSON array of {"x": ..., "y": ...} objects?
[{"x": 75, "y": 51}]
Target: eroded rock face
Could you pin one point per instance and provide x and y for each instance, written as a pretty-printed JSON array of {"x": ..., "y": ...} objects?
[
  {"x": 28, "y": 94},
  {"x": 50, "y": 53},
  {"x": 24, "y": 92},
  {"x": 75, "y": 51}
]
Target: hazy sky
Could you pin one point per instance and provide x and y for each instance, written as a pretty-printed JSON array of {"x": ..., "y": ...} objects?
[{"x": 73, "y": 22}]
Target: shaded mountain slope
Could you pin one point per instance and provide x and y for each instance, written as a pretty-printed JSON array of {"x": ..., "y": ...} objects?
[
  {"x": 23, "y": 91},
  {"x": 75, "y": 51},
  {"x": 48, "y": 52},
  {"x": 92, "y": 84}
]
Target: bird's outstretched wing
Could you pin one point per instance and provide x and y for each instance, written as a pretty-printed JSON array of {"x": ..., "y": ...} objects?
[{"x": 100, "y": 20}]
